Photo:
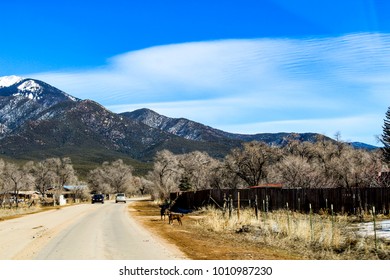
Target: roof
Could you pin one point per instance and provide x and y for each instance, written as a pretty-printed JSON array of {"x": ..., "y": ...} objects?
[
  {"x": 69, "y": 188},
  {"x": 275, "y": 185},
  {"x": 25, "y": 192}
]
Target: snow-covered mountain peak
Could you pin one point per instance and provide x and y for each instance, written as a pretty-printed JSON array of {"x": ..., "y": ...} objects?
[
  {"x": 29, "y": 85},
  {"x": 30, "y": 89},
  {"x": 8, "y": 81},
  {"x": 24, "y": 99}
]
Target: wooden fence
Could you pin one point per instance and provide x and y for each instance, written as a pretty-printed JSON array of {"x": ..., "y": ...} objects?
[{"x": 343, "y": 200}]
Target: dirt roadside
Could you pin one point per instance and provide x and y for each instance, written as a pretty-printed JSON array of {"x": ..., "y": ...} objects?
[
  {"x": 23, "y": 237},
  {"x": 198, "y": 244}
]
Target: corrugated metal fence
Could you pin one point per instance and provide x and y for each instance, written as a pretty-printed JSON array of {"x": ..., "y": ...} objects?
[{"x": 268, "y": 198}]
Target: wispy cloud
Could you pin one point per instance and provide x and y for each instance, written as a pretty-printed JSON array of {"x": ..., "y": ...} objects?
[{"x": 240, "y": 82}]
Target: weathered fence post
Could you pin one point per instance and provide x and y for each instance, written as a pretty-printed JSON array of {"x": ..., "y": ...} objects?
[
  {"x": 361, "y": 211},
  {"x": 264, "y": 213},
  {"x": 374, "y": 223},
  {"x": 388, "y": 212},
  {"x": 256, "y": 208},
  {"x": 288, "y": 219},
  {"x": 224, "y": 205},
  {"x": 238, "y": 206},
  {"x": 311, "y": 223},
  {"x": 230, "y": 206},
  {"x": 331, "y": 210},
  {"x": 299, "y": 204}
]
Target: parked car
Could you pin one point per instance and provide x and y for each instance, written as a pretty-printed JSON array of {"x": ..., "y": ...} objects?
[
  {"x": 98, "y": 198},
  {"x": 120, "y": 197}
]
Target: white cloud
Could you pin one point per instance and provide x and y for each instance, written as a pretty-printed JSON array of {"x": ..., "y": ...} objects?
[{"x": 245, "y": 81}]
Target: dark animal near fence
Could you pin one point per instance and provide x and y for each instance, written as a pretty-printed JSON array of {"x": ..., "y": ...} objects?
[
  {"x": 163, "y": 210},
  {"x": 175, "y": 216}
]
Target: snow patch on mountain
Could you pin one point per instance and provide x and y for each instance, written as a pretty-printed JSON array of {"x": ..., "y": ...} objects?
[
  {"x": 30, "y": 85},
  {"x": 30, "y": 89},
  {"x": 71, "y": 97},
  {"x": 8, "y": 81}
]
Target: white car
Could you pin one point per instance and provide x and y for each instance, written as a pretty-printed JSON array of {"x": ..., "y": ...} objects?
[{"x": 120, "y": 197}]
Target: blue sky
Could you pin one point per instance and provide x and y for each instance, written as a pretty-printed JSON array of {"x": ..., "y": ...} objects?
[{"x": 241, "y": 66}]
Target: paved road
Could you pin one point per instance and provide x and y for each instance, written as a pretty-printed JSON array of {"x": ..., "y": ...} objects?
[{"x": 82, "y": 232}]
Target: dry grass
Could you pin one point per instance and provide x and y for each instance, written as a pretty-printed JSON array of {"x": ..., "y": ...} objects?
[
  {"x": 22, "y": 210},
  {"x": 7, "y": 213},
  {"x": 313, "y": 236},
  {"x": 201, "y": 243},
  {"x": 210, "y": 234}
]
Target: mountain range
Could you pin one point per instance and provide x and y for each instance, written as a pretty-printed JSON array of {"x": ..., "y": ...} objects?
[{"x": 38, "y": 121}]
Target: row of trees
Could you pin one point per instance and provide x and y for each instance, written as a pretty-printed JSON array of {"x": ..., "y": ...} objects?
[
  {"x": 52, "y": 173},
  {"x": 325, "y": 163}
]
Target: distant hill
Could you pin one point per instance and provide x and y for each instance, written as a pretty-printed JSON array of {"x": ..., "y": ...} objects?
[
  {"x": 196, "y": 131},
  {"x": 360, "y": 145}
]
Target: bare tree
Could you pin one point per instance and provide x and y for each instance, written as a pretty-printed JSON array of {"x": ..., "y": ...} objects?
[
  {"x": 63, "y": 172},
  {"x": 111, "y": 177},
  {"x": 165, "y": 175},
  {"x": 4, "y": 188},
  {"x": 118, "y": 175},
  {"x": 252, "y": 162},
  {"x": 96, "y": 181},
  {"x": 17, "y": 179},
  {"x": 297, "y": 172},
  {"x": 148, "y": 187},
  {"x": 44, "y": 176},
  {"x": 356, "y": 168},
  {"x": 223, "y": 178},
  {"x": 138, "y": 186},
  {"x": 63, "y": 169},
  {"x": 326, "y": 154},
  {"x": 299, "y": 149},
  {"x": 196, "y": 170}
]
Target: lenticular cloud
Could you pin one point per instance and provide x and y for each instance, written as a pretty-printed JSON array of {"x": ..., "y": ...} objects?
[
  {"x": 230, "y": 67},
  {"x": 304, "y": 78}
]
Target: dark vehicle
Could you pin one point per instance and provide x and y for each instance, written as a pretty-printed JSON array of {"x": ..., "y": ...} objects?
[{"x": 98, "y": 198}]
